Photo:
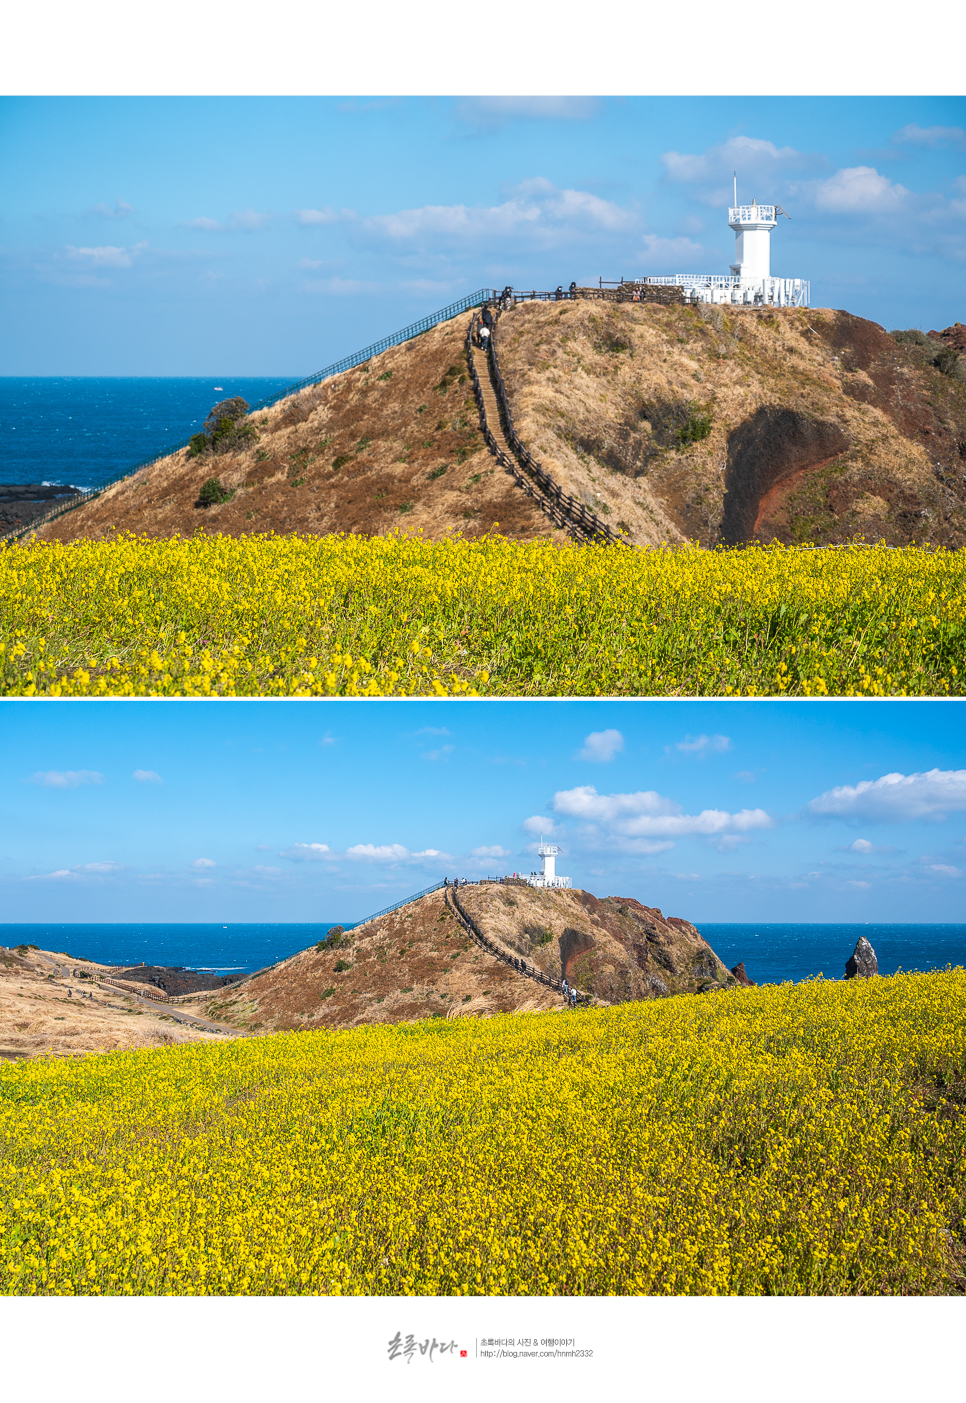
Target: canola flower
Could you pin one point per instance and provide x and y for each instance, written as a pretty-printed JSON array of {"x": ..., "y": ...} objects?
[
  {"x": 389, "y": 616},
  {"x": 793, "y": 1139}
]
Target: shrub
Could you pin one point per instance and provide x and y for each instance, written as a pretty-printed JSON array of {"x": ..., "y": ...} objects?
[
  {"x": 405, "y": 507},
  {"x": 327, "y": 993},
  {"x": 341, "y": 966},
  {"x": 437, "y": 472},
  {"x": 197, "y": 444},
  {"x": 333, "y": 939},
  {"x": 912, "y": 337},
  {"x": 698, "y": 427},
  {"x": 341, "y": 461},
  {"x": 213, "y": 493}
]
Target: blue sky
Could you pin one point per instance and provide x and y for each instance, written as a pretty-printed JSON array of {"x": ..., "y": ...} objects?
[
  {"x": 316, "y": 811},
  {"x": 269, "y": 236}
]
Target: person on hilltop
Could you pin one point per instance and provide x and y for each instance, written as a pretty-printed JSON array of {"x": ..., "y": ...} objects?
[
  {"x": 485, "y": 338},
  {"x": 488, "y": 317}
]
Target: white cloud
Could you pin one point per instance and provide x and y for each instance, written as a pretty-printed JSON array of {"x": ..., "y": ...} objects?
[
  {"x": 372, "y": 852},
  {"x": 932, "y": 136},
  {"x": 537, "y": 209},
  {"x": 746, "y": 776},
  {"x": 538, "y": 824},
  {"x": 62, "y": 875},
  {"x": 859, "y": 190},
  {"x": 443, "y": 753},
  {"x": 316, "y": 216},
  {"x": 148, "y": 777},
  {"x": 249, "y": 219},
  {"x": 703, "y": 745},
  {"x": 204, "y": 862},
  {"x": 896, "y": 797},
  {"x": 861, "y": 845},
  {"x": 433, "y": 854},
  {"x": 65, "y": 779},
  {"x": 268, "y": 871},
  {"x": 77, "y": 874},
  {"x": 944, "y": 870},
  {"x": 106, "y": 256},
  {"x": 209, "y": 225},
  {"x": 648, "y": 814},
  {"x": 432, "y": 731},
  {"x": 307, "y": 852},
  {"x": 750, "y": 156},
  {"x": 495, "y": 851},
  {"x": 100, "y": 867},
  {"x": 601, "y": 745},
  {"x": 327, "y": 739}
]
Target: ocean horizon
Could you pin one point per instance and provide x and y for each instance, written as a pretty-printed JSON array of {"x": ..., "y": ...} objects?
[
  {"x": 84, "y": 430},
  {"x": 772, "y": 952}
]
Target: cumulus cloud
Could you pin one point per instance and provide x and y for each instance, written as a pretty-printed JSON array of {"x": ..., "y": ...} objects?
[
  {"x": 443, "y": 753},
  {"x": 895, "y": 798},
  {"x": 374, "y": 852},
  {"x": 703, "y": 745},
  {"x": 944, "y": 870},
  {"x": 859, "y": 190},
  {"x": 537, "y": 209},
  {"x": 538, "y": 824},
  {"x": 861, "y": 845},
  {"x": 316, "y": 216},
  {"x": 307, "y": 852},
  {"x": 148, "y": 777},
  {"x": 601, "y": 745},
  {"x": 203, "y": 222},
  {"x": 915, "y": 135},
  {"x": 647, "y": 814},
  {"x": 106, "y": 255},
  {"x": 77, "y": 874},
  {"x": 65, "y": 779},
  {"x": 249, "y": 219},
  {"x": 201, "y": 862},
  {"x": 749, "y": 155},
  {"x": 495, "y": 851}
]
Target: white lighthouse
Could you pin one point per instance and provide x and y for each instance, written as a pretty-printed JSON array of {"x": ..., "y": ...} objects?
[
  {"x": 547, "y": 877},
  {"x": 750, "y": 283}
]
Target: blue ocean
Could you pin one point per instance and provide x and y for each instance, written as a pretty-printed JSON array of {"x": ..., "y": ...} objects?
[
  {"x": 86, "y": 430},
  {"x": 772, "y": 954}
]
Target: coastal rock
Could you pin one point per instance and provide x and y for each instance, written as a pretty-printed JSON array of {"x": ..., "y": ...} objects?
[
  {"x": 862, "y": 963},
  {"x": 741, "y": 974}
]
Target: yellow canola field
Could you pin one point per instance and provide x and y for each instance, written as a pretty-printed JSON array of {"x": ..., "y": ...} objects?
[
  {"x": 388, "y": 616},
  {"x": 796, "y": 1139}
]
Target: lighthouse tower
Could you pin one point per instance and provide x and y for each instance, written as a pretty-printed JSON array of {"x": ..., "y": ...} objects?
[
  {"x": 750, "y": 283},
  {"x": 752, "y": 225},
  {"x": 547, "y": 877}
]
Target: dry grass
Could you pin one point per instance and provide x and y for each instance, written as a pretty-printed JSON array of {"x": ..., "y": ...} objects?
[{"x": 38, "y": 1018}]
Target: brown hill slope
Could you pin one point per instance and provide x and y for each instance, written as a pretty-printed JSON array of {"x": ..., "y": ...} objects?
[
  {"x": 391, "y": 445},
  {"x": 419, "y": 962},
  {"x": 673, "y": 423},
  {"x": 820, "y": 426}
]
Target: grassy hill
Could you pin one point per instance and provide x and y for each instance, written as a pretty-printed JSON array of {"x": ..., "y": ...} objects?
[
  {"x": 419, "y": 962},
  {"x": 672, "y": 423}
]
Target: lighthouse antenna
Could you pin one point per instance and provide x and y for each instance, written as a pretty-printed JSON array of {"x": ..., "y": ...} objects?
[{"x": 735, "y": 173}]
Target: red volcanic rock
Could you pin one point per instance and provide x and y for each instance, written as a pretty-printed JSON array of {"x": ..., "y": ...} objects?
[
  {"x": 954, "y": 337},
  {"x": 741, "y": 974}
]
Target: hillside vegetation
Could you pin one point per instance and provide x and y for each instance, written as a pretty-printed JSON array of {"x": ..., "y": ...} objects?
[
  {"x": 792, "y": 1140},
  {"x": 419, "y": 962},
  {"x": 672, "y": 423}
]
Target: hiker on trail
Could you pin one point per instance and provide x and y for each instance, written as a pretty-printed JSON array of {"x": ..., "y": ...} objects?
[
  {"x": 573, "y": 998},
  {"x": 488, "y": 316},
  {"x": 485, "y": 338},
  {"x": 573, "y": 289},
  {"x": 559, "y": 293}
]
